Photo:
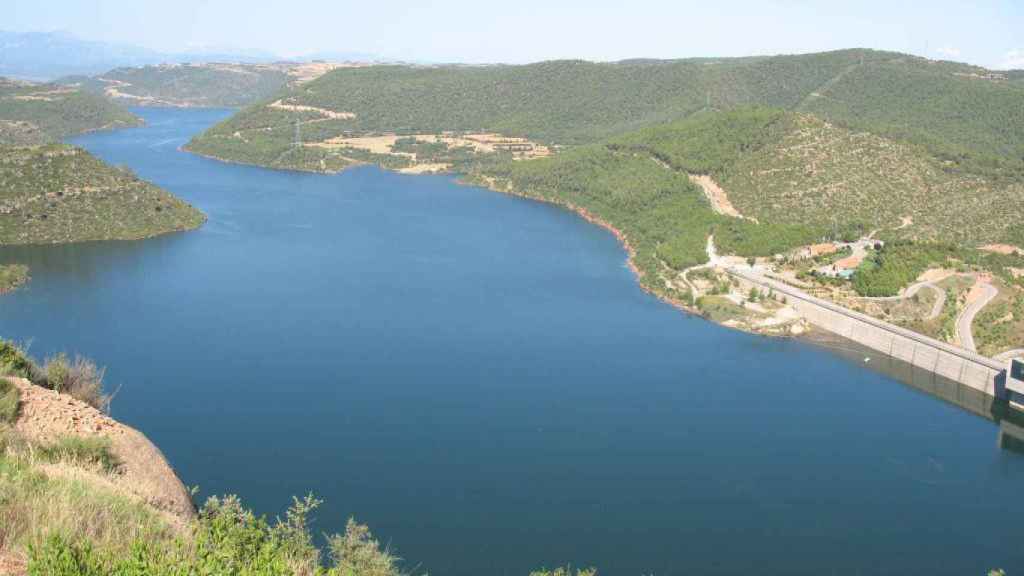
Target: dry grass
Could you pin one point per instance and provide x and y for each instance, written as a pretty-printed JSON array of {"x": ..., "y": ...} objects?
[{"x": 38, "y": 500}]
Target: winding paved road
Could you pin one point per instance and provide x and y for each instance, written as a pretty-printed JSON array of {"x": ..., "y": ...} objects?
[{"x": 966, "y": 319}]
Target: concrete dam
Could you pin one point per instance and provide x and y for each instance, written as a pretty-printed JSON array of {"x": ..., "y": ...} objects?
[{"x": 970, "y": 369}]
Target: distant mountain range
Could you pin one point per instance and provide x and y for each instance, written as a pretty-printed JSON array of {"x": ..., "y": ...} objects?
[{"x": 42, "y": 56}]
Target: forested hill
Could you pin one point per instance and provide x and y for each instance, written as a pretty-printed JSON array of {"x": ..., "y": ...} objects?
[
  {"x": 794, "y": 168},
  {"x": 969, "y": 117},
  {"x": 217, "y": 85},
  {"x": 40, "y": 113},
  {"x": 52, "y": 192},
  {"x": 57, "y": 193},
  {"x": 208, "y": 85}
]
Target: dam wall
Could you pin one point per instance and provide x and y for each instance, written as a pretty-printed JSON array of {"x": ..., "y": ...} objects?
[{"x": 957, "y": 364}]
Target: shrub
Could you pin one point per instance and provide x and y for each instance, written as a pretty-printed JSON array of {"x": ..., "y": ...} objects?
[
  {"x": 57, "y": 370},
  {"x": 357, "y": 552},
  {"x": 15, "y": 362},
  {"x": 566, "y": 571},
  {"x": 225, "y": 539},
  {"x": 82, "y": 379},
  {"x": 9, "y": 397},
  {"x": 59, "y": 557},
  {"x": 81, "y": 451}
]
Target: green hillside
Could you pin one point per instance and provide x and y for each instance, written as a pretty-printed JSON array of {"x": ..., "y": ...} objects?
[
  {"x": 967, "y": 116},
  {"x": 792, "y": 167},
  {"x": 561, "y": 102},
  {"x": 40, "y": 113},
  {"x": 957, "y": 112},
  {"x": 209, "y": 85},
  {"x": 59, "y": 193}
]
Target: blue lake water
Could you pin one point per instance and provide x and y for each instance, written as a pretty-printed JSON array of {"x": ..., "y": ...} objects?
[{"x": 479, "y": 378}]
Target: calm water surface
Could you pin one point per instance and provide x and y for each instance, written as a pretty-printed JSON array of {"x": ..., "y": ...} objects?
[{"x": 479, "y": 378}]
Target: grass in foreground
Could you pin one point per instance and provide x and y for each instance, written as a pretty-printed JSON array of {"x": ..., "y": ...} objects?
[{"x": 34, "y": 505}]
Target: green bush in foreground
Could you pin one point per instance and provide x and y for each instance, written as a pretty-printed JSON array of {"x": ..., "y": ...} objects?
[
  {"x": 15, "y": 362},
  {"x": 226, "y": 539},
  {"x": 9, "y": 397}
]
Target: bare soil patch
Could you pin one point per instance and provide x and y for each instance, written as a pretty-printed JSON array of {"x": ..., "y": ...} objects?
[
  {"x": 282, "y": 105},
  {"x": 716, "y": 195},
  {"x": 935, "y": 275},
  {"x": 850, "y": 262},
  {"x": 425, "y": 168},
  {"x": 1008, "y": 249}
]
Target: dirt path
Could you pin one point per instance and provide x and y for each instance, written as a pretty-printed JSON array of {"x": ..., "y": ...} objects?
[
  {"x": 329, "y": 114},
  {"x": 716, "y": 196},
  {"x": 711, "y": 263},
  {"x": 980, "y": 295}
]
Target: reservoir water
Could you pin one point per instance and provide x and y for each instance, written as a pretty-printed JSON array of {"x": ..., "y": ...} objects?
[{"x": 479, "y": 378}]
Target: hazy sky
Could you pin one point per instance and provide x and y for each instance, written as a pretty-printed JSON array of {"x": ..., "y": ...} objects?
[{"x": 987, "y": 33}]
